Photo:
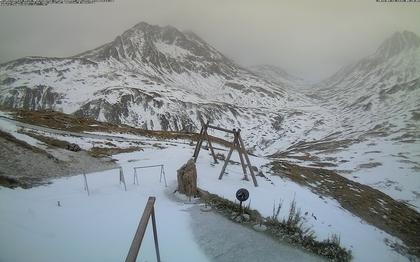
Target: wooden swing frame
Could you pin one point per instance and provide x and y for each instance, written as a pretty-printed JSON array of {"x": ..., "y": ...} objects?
[{"x": 237, "y": 144}]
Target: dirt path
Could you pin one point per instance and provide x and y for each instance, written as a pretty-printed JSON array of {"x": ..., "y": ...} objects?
[
  {"x": 25, "y": 166},
  {"x": 223, "y": 240}
]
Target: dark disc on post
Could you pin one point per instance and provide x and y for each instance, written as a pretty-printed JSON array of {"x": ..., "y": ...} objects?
[{"x": 242, "y": 194}]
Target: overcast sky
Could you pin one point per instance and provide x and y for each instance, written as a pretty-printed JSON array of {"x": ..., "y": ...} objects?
[{"x": 311, "y": 39}]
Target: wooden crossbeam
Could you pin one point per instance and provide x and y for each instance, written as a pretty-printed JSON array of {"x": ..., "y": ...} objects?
[{"x": 222, "y": 129}]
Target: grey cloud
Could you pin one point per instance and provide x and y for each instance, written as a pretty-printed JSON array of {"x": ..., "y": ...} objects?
[{"x": 309, "y": 38}]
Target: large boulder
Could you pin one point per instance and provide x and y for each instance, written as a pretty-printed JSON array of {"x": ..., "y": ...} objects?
[{"x": 187, "y": 179}]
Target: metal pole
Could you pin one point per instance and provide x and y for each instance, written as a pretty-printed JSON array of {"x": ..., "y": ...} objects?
[
  {"x": 135, "y": 177},
  {"x": 164, "y": 176},
  {"x": 86, "y": 184},
  {"x": 122, "y": 179}
]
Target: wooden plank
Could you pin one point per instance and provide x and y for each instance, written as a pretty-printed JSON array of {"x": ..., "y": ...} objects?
[
  {"x": 141, "y": 229},
  {"x": 247, "y": 159},
  {"x": 222, "y": 129}
]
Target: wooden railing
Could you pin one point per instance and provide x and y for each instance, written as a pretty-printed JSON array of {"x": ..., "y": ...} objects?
[{"x": 149, "y": 211}]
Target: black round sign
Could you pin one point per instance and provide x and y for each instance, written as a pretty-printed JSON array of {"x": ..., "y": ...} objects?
[{"x": 242, "y": 194}]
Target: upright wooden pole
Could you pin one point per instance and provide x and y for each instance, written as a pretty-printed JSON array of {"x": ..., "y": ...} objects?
[
  {"x": 235, "y": 140},
  {"x": 155, "y": 236},
  {"x": 247, "y": 158},
  {"x": 211, "y": 147},
  {"x": 241, "y": 158},
  {"x": 141, "y": 229},
  {"x": 198, "y": 141}
]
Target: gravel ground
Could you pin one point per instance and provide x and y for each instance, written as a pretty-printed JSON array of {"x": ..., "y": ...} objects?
[{"x": 28, "y": 168}]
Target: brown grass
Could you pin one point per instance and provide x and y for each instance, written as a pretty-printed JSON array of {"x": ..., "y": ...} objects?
[
  {"x": 373, "y": 206},
  {"x": 105, "y": 152}
]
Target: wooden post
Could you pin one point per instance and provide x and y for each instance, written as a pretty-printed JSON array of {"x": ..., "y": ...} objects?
[
  {"x": 141, "y": 229},
  {"x": 198, "y": 145},
  {"x": 228, "y": 157},
  {"x": 211, "y": 147},
  {"x": 199, "y": 142},
  {"x": 155, "y": 236},
  {"x": 247, "y": 159},
  {"x": 241, "y": 158}
]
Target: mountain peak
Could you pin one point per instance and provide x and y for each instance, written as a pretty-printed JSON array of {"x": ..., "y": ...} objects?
[
  {"x": 163, "y": 48},
  {"x": 398, "y": 42}
]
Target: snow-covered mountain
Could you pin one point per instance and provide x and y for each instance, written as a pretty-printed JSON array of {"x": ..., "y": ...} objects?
[
  {"x": 278, "y": 75},
  {"x": 161, "y": 78},
  {"x": 377, "y": 102},
  {"x": 381, "y": 93}
]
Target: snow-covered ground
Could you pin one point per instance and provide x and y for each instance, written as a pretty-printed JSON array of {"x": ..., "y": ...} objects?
[
  {"x": 102, "y": 225},
  {"x": 98, "y": 227}
]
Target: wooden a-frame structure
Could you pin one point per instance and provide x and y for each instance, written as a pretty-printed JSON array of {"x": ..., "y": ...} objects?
[{"x": 237, "y": 144}]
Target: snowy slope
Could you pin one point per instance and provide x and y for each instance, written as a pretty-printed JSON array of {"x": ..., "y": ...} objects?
[
  {"x": 377, "y": 102},
  {"x": 161, "y": 78},
  {"x": 279, "y": 76},
  {"x": 79, "y": 230}
]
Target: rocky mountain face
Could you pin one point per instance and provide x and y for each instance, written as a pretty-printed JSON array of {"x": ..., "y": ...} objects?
[
  {"x": 377, "y": 104},
  {"x": 380, "y": 93},
  {"x": 161, "y": 78}
]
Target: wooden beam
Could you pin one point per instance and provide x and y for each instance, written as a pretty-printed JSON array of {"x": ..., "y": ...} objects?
[
  {"x": 221, "y": 129},
  {"x": 247, "y": 159},
  {"x": 228, "y": 158},
  {"x": 211, "y": 147},
  {"x": 241, "y": 158},
  {"x": 198, "y": 145},
  {"x": 155, "y": 236},
  {"x": 141, "y": 229},
  {"x": 200, "y": 142}
]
